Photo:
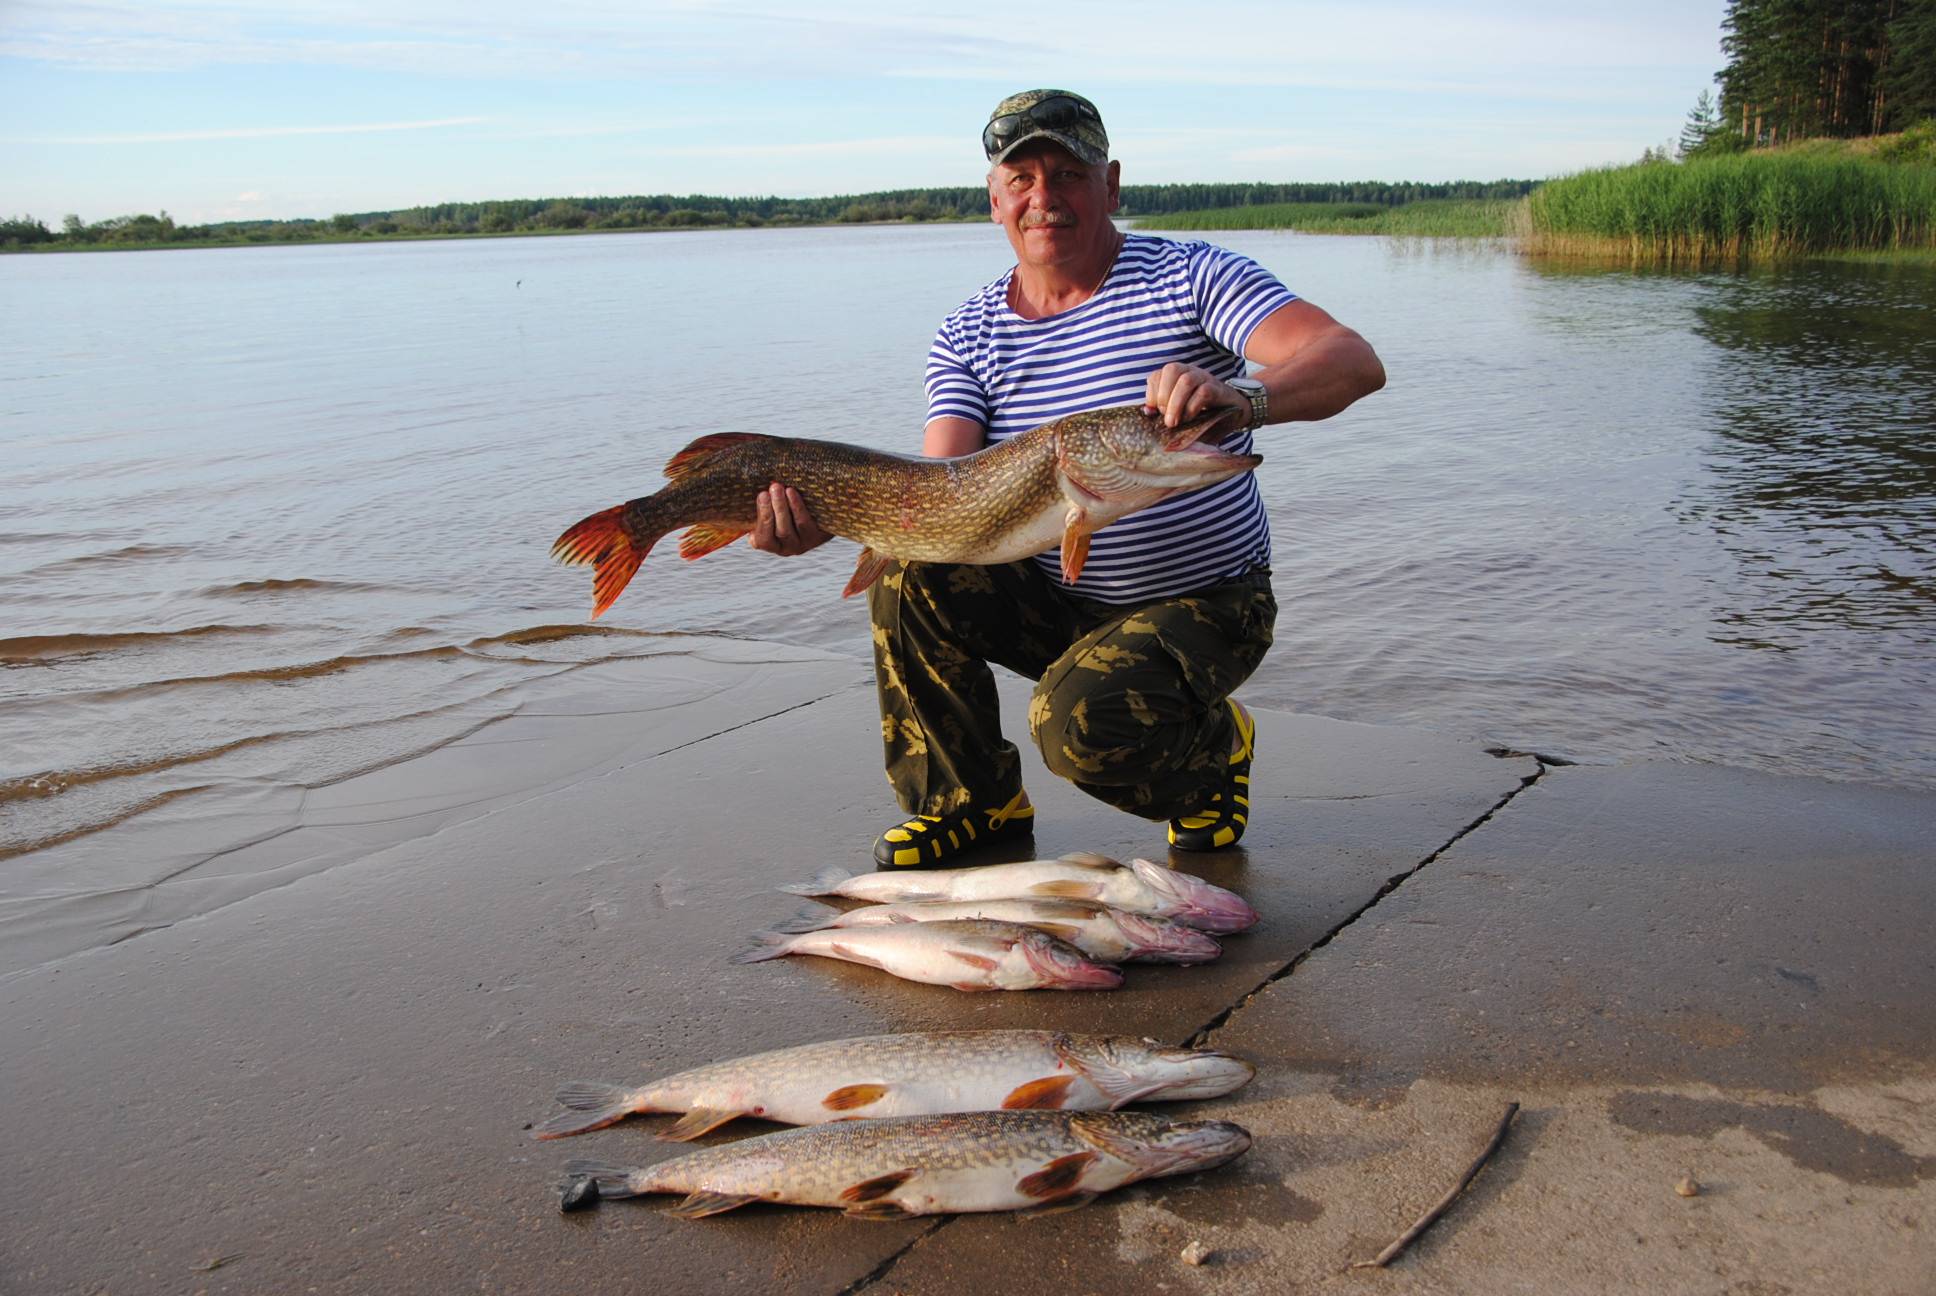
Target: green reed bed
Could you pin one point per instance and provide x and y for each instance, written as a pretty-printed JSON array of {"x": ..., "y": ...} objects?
[
  {"x": 1427, "y": 218},
  {"x": 1747, "y": 206}
]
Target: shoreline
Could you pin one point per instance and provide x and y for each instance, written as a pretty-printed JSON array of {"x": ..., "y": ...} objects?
[
  {"x": 1607, "y": 251},
  {"x": 1675, "y": 969}
]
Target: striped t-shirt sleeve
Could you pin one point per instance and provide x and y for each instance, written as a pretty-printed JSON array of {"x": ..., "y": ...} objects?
[
  {"x": 1233, "y": 294},
  {"x": 953, "y": 388}
]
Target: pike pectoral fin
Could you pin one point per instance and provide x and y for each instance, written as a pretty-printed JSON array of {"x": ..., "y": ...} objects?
[
  {"x": 1045, "y": 1094},
  {"x": 848, "y": 1097},
  {"x": 700, "y": 1120},
  {"x": 1068, "y": 889},
  {"x": 852, "y": 955},
  {"x": 866, "y": 572},
  {"x": 868, "y": 1190},
  {"x": 1058, "y": 1178},
  {"x": 1073, "y": 1201},
  {"x": 701, "y": 1204},
  {"x": 981, "y": 961},
  {"x": 1075, "y": 543},
  {"x": 702, "y": 538}
]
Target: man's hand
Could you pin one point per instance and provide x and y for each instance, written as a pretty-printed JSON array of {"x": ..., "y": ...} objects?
[
  {"x": 1180, "y": 392},
  {"x": 783, "y": 525}
]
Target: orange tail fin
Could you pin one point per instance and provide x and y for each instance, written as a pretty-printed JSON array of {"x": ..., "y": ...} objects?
[{"x": 602, "y": 541}]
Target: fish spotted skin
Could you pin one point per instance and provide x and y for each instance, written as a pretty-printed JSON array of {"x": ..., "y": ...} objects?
[
  {"x": 1140, "y": 887},
  {"x": 968, "y": 954},
  {"x": 1054, "y": 484},
  {"x": 920, "y": 1073},
  {"x": 1098, "y": 930},
  {"x": 930, "y": 1165}
]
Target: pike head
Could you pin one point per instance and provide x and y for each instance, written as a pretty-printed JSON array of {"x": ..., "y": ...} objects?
[
  {"x": 1157, "y": 1146},
  {"x": 1129, "y": 1070},
  {"x": 1125, "y": 454},
  {"x": 1194, "y": 902},
  {"x": 1165, "y": 940},
  {"x": 1062, "y": 966}
]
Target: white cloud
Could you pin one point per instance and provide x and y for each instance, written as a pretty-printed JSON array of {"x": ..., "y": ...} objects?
[{"x": 252, "y": 132}]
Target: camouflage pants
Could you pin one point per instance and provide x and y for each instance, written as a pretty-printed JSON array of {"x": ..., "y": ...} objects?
[{"x": 1128, "y": 701}]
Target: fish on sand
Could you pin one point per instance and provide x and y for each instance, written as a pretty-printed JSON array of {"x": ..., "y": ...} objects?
[
  {"x": 1038, "y": 1161},
  {"x": 974, "y": 954},
  {"x": 1105, "y": 934},
  {"x": 1139, "y": 886},
  {"x": 1054, "y": 484},
  {"x": 923, "y": 1073}
]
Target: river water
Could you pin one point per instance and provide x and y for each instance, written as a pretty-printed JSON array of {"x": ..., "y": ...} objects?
[{"x": 274, "y": 516}]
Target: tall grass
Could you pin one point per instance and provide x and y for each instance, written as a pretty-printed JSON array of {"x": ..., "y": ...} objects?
[
  {"x": 1745, "y": 206},
  {"x": 1427, "y": 218}
]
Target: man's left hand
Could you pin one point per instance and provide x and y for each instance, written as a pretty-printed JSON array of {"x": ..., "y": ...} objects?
[{"x": 1180, "y": 392}]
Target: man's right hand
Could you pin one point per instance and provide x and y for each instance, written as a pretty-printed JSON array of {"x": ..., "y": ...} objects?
[{"x": 783, "y": 524}]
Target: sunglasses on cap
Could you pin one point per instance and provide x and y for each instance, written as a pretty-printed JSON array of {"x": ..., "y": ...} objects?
[{"x": 1053, "y": 113}]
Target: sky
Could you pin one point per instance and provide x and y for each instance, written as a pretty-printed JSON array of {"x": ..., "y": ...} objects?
[{"x": 245, "y": 109}]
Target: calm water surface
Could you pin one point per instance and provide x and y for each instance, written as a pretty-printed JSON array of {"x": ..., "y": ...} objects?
[{"x": 275, "y": 516}]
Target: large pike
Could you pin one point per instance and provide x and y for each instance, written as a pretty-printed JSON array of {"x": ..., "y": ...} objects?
[
  {"x": 1106, "y": 934},
  {"x": 1054, "y": 484},
  {"x": 924, "y": 1073},
  {"x": 968, "y": 954},
  {"x": 1141, "y": 887},
  {"x": 931, "y": 1165}
]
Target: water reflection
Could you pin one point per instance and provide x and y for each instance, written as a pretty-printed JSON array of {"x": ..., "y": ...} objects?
[{"x": 1820, "y": 475}]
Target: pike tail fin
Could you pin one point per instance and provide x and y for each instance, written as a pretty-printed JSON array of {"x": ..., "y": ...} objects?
[
  {"x": 811, "y": 918},
  {"x": 766, "y": 945},
  {"x": 593, "y": 1106},
  {"x": 612, "y": 1180},
  {"x": 613, "y": 552},
  {"x": 826, "y": 882}
]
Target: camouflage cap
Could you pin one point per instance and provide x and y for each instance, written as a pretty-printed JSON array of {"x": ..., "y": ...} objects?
[{"x": 1068, "y": 119}]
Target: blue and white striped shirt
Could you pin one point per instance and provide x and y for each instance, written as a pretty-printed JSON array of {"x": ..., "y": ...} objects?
[{"x": 1163, "y": 300}]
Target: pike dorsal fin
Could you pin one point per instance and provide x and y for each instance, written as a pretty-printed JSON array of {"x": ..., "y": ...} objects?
[{"x": 705, "y": 448}]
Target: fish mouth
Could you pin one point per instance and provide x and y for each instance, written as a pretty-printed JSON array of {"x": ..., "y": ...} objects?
[
  {"x": 1168, "y": 942},
  {"x": 1061, "y": 971},
  {"x": 1195, "y": 1145},
  {"x": 1206, "y": 1073},
  {"x": 1194, "y": 902},
  {"x": 1190, "y": 433}
]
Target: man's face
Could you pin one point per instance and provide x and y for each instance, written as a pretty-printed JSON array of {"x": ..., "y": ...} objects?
[{"x": 1054, "y": 206}]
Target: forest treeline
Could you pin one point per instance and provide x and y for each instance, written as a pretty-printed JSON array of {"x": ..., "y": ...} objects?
[
  {"x": 1825, "y": 68},
  {"x": 668, "y": 211}
]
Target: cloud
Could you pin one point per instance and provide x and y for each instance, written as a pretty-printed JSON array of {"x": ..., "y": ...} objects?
[{"x": 252, "y": 132}]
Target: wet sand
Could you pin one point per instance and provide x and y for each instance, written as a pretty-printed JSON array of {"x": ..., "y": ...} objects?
[{"x": 324, "y": 1083}]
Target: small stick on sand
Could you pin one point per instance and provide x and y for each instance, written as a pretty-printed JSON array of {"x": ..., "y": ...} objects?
[{"x": 1430, "y": 1217}]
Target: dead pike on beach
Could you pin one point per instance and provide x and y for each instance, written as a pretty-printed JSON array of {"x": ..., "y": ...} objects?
[
  {"x": 1139, "y": 886},
  {"x": 1054, "y": 484},
  {"x": 930, "y": 1165},
  {"x": 1101, "y": 932},
  {"x": 975, "y": 954},
  {"x": 925, "y": 1073}
]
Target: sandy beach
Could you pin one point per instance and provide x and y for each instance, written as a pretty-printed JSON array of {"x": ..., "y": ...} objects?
[{"x": 322, "y": 1080}]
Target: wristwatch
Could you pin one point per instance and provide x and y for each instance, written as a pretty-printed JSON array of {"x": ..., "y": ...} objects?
[{"x": 1259, "y": 401}]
